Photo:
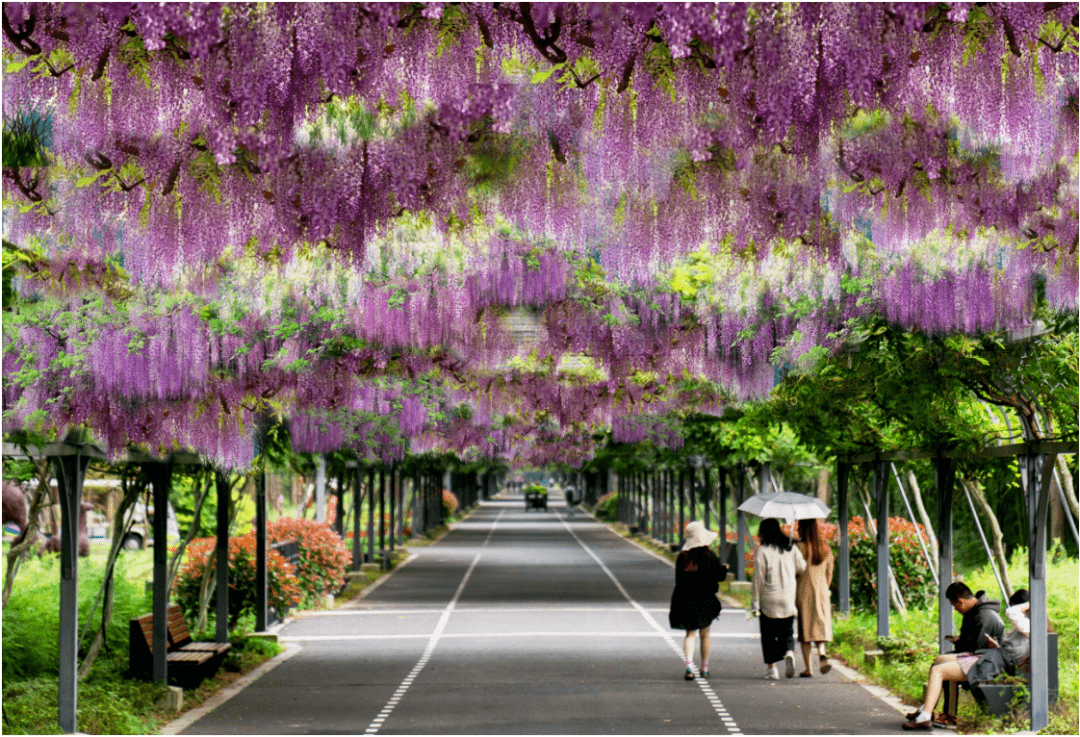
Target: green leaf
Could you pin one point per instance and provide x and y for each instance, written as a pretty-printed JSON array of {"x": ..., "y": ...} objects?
[
  {"x": 543, "y": 76},
  {"x": 84, "y": 182}
]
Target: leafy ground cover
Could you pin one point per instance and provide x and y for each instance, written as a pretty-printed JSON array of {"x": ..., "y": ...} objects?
[
  {"x": 109, "y": 703},
  {"x": 912, "y": 646}
]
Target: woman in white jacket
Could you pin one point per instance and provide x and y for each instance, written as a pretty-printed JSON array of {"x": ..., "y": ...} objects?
[{"x": 776, "y": 565}]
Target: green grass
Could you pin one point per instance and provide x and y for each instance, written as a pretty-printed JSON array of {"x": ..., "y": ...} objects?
[{"x": 913, "y": 644}]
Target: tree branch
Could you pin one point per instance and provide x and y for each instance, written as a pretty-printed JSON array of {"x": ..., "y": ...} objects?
[{"x": 21, "y": 38}]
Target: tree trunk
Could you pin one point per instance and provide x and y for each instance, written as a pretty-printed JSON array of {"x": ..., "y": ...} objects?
[
  {"x": 29, "y": 541},
  {"x": 823, "y": 490},
  {"x": 1066, "y": 480},
  {"x": 131, "y": 495},
  {"x": 178, "y": 556},
  {"x": 209, "y": 581},
  {"x": 996, "y": 538},
  {"x": 913, "y": 484}
]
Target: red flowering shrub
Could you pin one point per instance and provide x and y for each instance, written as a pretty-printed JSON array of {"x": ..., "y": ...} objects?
[
  {"x": 449, "y": 502},
  {"x": 283, "y": 590},
  {"x": 913, "y": 575},
  {"x": 324, "y": 557}
]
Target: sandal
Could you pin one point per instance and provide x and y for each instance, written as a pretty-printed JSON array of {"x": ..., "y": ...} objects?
[{"x": 823, "y": 664}]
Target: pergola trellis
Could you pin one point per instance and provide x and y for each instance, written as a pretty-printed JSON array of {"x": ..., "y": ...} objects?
[
  {"x": 662, "y": 492},
  {"x": 70, "y": 461}
]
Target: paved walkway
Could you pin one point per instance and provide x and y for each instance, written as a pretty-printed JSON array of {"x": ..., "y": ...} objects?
[{"x": 528, "y": 623}]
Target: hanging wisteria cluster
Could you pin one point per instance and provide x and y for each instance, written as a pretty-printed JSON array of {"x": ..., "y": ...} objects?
[{"x": 401, "y": 226}]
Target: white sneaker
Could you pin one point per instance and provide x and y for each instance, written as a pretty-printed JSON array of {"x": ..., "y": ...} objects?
[
  {"x": 789, "y": 664},
  {"x": 771, "y": 674}
]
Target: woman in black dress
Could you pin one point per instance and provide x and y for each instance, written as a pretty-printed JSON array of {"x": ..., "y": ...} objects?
[{"x": 694, "y": 605}]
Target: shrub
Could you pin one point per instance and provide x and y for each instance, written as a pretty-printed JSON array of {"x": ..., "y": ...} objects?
[
  {"x": 281, "y": 578},
  {"x": 913, "y": 575},
  {"x": 449, "y": 502},
  {"x": 607, "y": 506},
  {"x": 535, "y": 489},
  {"x": 324, "y": 556}
]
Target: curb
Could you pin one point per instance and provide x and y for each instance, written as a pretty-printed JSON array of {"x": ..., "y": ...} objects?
[
  {"x": 354, "y": 602},
  {"x": 187, "y": 719}
]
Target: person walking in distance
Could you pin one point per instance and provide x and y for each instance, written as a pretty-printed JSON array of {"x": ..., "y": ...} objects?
[
  {"x": 776, "y": 565},
  {"x": 694, "y": 605},
  {"x": 813, "y": 600}
]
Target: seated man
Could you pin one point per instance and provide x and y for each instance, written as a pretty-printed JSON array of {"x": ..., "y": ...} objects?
[{"x": 981, "y": 623}]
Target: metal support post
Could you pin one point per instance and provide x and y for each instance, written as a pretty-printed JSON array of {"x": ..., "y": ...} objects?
[
  {"x": 382, "y": 513},
  {"x": 881, "y": 499},
  {"x": 221, "y": 617},
  {"x": 1039, "y": 471},
  {"x": 945, "y": 472},
  {"x": 394, "y": 488},
  {"x": 161, "y": 480},
  {"x": 70, "y": 472},
  {"x": 339, "y": 494},
  {"x": 843, "y": 553},
  {"x": 370, "y": 514},
  {"x": 742, "y": 531},
  {"x": 721, "y": 512},
  {"x": 681, "y": 485},
  {"x": 357, "y": 500},
  {"x": 262, "y": 613},
  {"x": 320, "y": 489}
]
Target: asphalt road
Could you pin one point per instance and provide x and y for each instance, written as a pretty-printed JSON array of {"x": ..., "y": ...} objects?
[{"x": 530, "y": 623}]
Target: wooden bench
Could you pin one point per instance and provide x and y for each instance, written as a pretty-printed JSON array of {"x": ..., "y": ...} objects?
[{"x": 188, "y": 661}]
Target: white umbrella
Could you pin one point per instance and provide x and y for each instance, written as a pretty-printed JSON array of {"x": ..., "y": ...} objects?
[{"x": 786, "y": 505}]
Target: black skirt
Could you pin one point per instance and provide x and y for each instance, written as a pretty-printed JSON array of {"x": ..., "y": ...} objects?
[{"x": 692, "y": 610}]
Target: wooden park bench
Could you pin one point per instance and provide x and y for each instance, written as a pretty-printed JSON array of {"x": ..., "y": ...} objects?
[{"x": 188, "y": 661}]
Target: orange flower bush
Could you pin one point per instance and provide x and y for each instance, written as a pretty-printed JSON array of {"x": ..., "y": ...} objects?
[
  {"x": 449, "y": 502},
  {"x": 324, "y": 557},
  {"x": 282, "y": 584},
  {"x": 913, "y": 575}
]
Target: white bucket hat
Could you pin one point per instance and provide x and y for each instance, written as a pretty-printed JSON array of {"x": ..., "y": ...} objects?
[{"x": 697, "y": 536}]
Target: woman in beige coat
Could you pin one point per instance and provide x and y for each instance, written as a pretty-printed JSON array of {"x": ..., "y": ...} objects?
[{"x": 812, "y": 596}]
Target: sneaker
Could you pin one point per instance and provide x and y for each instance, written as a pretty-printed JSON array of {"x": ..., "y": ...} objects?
[
  {"x": 789, "y": 664},
  {"x": 771, "y": 674},
  {"x": 688, "y": 675},
  {"x": 704, "y": 674}
]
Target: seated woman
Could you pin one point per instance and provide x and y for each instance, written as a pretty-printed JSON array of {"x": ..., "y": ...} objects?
[{"x": 983, "y": 665}]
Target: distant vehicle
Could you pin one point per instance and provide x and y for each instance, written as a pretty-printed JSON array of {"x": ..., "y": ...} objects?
[{"x": 139, "y": 524}]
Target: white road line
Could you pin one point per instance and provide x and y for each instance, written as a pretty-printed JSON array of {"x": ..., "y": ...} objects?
[
  {"x": 479, "y": 635},
  {"x": 706, "y": 689},
  {"x": 474, "y": 610},
  {"x": 376, "y": 723}
]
